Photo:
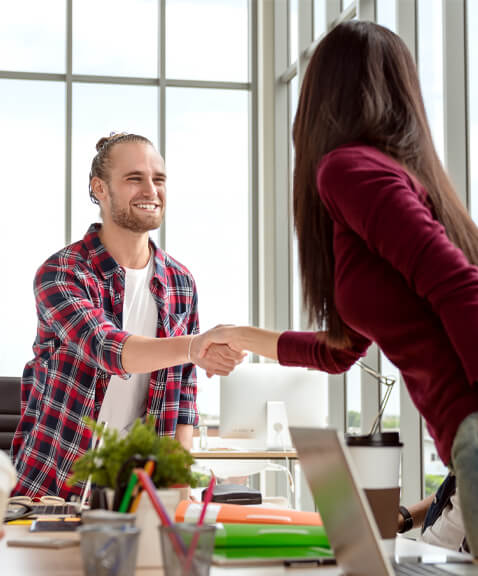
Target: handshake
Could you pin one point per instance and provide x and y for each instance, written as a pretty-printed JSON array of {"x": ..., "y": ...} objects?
[{"x": 217, "y": 351}]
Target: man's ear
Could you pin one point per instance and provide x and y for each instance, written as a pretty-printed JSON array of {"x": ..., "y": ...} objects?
[{"x": 98, "y": 186}]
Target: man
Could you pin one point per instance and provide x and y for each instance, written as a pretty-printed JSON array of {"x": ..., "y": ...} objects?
[
  {"x": 116, "y": 324},
  {"x": 439, "y": 517}
]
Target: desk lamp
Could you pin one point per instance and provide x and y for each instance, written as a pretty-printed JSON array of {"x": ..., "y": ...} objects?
[{"x": 388, "y": 381}]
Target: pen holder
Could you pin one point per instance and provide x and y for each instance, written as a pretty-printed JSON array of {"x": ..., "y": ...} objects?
[
  {"x": 149, "y": 552},
  {"x": 187, "y": 549},
  {"x": 108, "y": 550}
]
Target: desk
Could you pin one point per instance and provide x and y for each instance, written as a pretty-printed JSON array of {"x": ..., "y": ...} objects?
[
  {"x": 67, "y": 562},
  {"x": 231, "y": 454},
  {"x": 227, "y": 463}
]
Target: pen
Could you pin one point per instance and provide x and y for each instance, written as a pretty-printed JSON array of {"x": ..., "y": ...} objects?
[
  {"x": 149, "y": 469},
  {"x": 133, "y": 480}
]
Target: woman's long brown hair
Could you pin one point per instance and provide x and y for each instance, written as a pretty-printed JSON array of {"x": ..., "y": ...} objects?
[{"x": 362, "y": 85}]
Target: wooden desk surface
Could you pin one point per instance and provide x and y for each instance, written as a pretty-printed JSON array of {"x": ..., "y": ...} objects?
[
  {"x": 226, "y": 454},
  {"x": 67, "y": 562},
  {"x": 16, "y": 561}
]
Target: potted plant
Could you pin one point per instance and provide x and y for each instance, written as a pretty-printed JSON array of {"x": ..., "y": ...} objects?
[{"x": 113, "y": 462}]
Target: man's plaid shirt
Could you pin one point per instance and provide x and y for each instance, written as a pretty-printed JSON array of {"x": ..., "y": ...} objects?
[{"x": 79, "y": 298}]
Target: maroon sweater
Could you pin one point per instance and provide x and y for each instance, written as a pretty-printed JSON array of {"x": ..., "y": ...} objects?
[{"x": 400, "y": 282}]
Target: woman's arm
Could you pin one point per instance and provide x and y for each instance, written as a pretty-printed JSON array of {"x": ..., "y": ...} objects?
[{"x": 308, "y": 349}]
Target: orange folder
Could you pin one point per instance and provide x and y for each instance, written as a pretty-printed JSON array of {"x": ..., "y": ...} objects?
[{"x": 188, "y": 511}]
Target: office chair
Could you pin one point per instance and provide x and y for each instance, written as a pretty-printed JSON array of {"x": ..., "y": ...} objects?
[{"x": 9, "y": 410}]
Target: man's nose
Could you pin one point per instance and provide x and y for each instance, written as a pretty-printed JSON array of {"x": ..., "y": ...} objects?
[{"x": 150, "y": 188}]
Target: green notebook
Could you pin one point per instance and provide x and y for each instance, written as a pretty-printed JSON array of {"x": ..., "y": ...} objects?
[
  {"x": 241, "y": 556},
  {"x": 269, "y": 535}
]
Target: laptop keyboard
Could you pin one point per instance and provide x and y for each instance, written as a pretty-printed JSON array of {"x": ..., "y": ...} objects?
[
  {"x": 54, "y": 509},
  {"x": 412, "y": 569}
]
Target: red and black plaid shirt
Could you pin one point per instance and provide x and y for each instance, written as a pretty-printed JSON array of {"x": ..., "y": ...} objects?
[{"x": 79, "y": 297}]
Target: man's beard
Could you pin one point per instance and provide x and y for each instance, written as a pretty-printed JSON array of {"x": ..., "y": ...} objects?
[{"x": 129, "y": 221}]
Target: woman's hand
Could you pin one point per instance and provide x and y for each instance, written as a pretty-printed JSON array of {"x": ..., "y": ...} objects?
[{"x": 217, "y": 351}]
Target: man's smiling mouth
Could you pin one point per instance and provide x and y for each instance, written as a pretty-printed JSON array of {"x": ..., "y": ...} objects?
[{"x": 148, "y": 206}]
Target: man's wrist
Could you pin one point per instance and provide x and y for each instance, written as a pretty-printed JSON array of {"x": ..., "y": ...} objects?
[
  {"x": 189, "y": 347},
  {"x": 407, "y": 520}
]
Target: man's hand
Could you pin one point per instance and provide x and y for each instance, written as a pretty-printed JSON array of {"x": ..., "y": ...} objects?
[
  {"x": 217, "y": 359},
  {"x": 212, "y": 351}
]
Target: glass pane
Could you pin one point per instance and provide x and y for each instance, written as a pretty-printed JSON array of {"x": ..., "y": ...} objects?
[
  {"x": 32, "y": 35},
  {"x": 472, "y": 37},
  {"x": 207, "y": 226},
  {"x": 32, "y": 117},
  {"x": 435, "y": 470},
  {"x": 347, "y": 3},
  {"x": 99, "y": 109},
  {"x": 354, "y": 400},
  {"x": 115, "y": 37},
  {"x": 293, "y": 25},
  {"x": 391, "y": 415},
  {"x": 387, "y": 14},
  {"x": 430, "y": 67},
  {"x": 207, "y": 40},
  {"x": 320, "y": 24}
]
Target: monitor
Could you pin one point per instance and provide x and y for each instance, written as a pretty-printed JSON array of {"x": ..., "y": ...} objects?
[{"x": 259, "y": 401}]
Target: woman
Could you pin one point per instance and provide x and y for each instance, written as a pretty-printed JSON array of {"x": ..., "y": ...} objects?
[{"x": 387, "y": 252}]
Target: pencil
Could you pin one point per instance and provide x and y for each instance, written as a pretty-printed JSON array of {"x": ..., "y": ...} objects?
[{"x": 149, "y": 469}]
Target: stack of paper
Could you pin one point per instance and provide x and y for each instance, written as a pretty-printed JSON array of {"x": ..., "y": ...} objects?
[{"x": 251, "y": 534}]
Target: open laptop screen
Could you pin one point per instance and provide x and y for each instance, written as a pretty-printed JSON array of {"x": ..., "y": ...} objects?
[{"x": 345, "y": 513}]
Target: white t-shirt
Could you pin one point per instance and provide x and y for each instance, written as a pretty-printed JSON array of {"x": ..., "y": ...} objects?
[
  {"x": 125, "y": 400},
  {"x": 448, "y": 530}
]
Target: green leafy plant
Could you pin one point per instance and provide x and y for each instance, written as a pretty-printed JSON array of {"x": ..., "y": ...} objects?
[{"x": 173, "y": 462}]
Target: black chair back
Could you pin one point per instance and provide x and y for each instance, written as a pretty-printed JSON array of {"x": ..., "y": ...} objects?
[{"x": 9, "y": 410}]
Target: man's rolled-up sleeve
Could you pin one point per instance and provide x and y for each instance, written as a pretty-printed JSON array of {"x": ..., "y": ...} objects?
[{"x": 65, "y": 306}]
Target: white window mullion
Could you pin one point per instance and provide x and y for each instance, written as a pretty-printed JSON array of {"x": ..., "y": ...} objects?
[
  {"x": 455, "y": 100},
  {"x": 410, "y": 421},
  {"x": 366, "y": 10}
]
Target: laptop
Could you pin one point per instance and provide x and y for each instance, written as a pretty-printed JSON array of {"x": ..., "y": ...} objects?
[{"x": 346, "y": 515}]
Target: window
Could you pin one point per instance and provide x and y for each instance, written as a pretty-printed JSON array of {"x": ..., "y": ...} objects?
[
  {"x": 430, "y": 67},
  {"x": 33, "y": 36},
  {"x": 354, "y": 400},
  {"x": 472, "y": 19},
  {"x": 32, "y": 148},
  {"x": 207, "y": 145},
  {"x": 178, "y": 72}
]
